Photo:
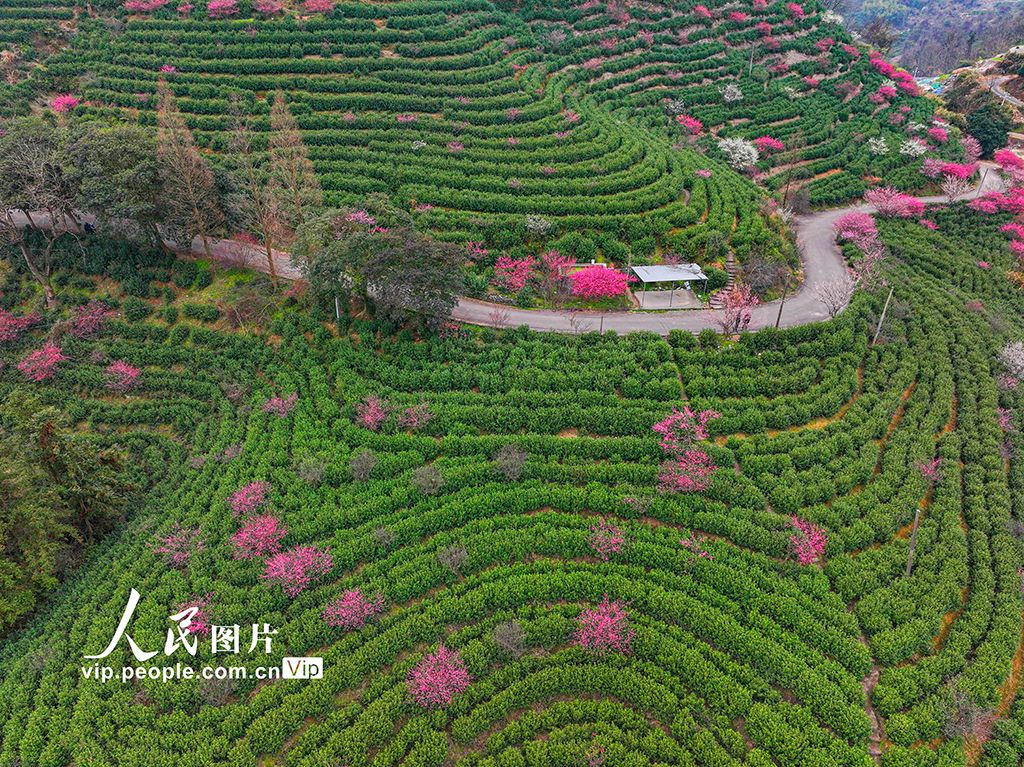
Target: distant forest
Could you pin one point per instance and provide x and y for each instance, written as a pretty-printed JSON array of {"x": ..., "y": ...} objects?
[{"x": 933, "y": 36}]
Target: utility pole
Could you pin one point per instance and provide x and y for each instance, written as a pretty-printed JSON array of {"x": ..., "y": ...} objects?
[
  {"x": 913, "y": 541},
  {"x": 881, "y": 320},
  {"x": 785, "y": 289}
]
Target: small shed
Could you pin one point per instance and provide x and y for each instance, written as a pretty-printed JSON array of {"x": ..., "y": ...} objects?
[{"x": 671, "y": 273}]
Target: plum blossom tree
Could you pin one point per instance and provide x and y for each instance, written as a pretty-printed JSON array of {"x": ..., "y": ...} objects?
[
  {"x": 767, "y": 144},
  {"x": 12, "y": 326},
  {"x": 732, "y": 94},
  {"x": 1011, "y": 356},
  {"x": 690, "y": 472},
  {"x": 198, "y": 623},
  {"x": 179, "y": 544},
  {"x": 372, "y": 413},
  {"x": 512, "y": 274},
  {"x": 691, "y": 125},
  {"x": 592, "y": 282},
  {"x": 931, "y": 470},
  {"x": 296, "y": 569},
  {"x": 353, "y": 609},
  {"x": 680, "y": 430},
  {"x": 249, "y": 498},
  {"x": 258, "y": 537},
  {"x": 807, "y": 543},
  {"x": 604, "y": 627},
  {"x": 891, "y": 203},
  {"x": 63, "y": 103},
  {"x": 835, "y": 296},
  {"x": 971, "y": 148},
  {"x": 954, "y": 187},
  {"x": 606, "y": 539},
  {"x": 414, "y": 417},
  {"x": 736, "y": 311},
  {"x": 438, "y": 678},
  {"x": 89, "y": 319},
  {"x": 739, "y": 153},
  {"x": 280, "y": 406},
  {"x": 221, "y": 9},
  {"x": 41, "y": 365},
  {"x": 122, "y": 377}
]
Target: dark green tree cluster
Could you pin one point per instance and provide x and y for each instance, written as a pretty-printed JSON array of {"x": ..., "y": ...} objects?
[{"x": 57, "y": 493}]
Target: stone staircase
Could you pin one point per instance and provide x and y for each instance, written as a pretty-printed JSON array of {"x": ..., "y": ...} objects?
[{"x": 717, "y": 301}]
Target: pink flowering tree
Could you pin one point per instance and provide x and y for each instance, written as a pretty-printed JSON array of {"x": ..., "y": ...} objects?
[
  {"x": 767, "y": 144},
  {"x": 144, "y": 6},
  {"x": 690, "y": 472},
  {"x": 258, "y": 537},
  {"x": 931, "y": 470},
  {"x": 221, "y": 9},
  {"x": 318, "y": 6},
  {"x": 296, "y": 569},
  {"x": 691, "y": 125},
  {"x": 88, "y": 320},
  {"x": 197, "y": 620},
  {"x": 858, "y": 228},
  {"x": 606, "y": 540},
  {"x": 353, "y": 609},
  {"x": 594, "y": 282},
  {"x": 249, "y": 498},
  {"x": 680, "y": 430},
  {"x": 122, "y": 377},
  {"x": 268, "y": 7},
  {"x": 65, "y": 102},
  {"x": 179, "y": 545},
  {"x": 41, "y": 365},
  {"x": 280, "y": 406},
  {"x": 605, "y": 627},
  {"x": 891, "y": 203},
  {"x": 414, "y": 417},
  {"x": 737, "y": 309},
  {"x": 438, "y": 678},
  {"x": 695, "y": 546},
  {"x": 554, "y": 267},
  {"x": 372, "y": 413},
  {"x": 807, "y": 543},
  {"x": 512, "y": 274},
  {"x": 1009, "y": 160},
  {"x": 12, "y": 326}
]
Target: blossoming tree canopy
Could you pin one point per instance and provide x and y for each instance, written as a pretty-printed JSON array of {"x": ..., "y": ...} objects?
[
  {"x": 438, "y": 678},
  {"x": 593, "y": 282},
  {"x": 296, "y": 569},
  {"x": 605, "y": 627}
]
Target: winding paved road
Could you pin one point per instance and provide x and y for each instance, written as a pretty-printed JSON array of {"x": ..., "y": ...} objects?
[{"x": 822, "y": 264}]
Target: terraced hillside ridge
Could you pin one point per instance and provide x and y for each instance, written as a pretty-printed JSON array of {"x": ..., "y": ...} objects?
[
  {"x": 557, "y": 123},
  {"x": 480, "y": 507}
]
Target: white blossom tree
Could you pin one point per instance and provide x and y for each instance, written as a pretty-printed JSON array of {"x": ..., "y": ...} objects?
[
  {"x": 732, "y": 93},
  {"x": 739, "y": 153}
]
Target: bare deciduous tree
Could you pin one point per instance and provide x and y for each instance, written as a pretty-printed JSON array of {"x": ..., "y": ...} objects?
[
  {"x": 954, "y": 188},
  {"x": 510, "y": 637},
  {"x": 293, "y": 181},
  {"x": 428, "y": 480},
  {"x": 509, "y": 461},
  {"x": 253, "y": 200},
  {"x": 362, "y": 465},
  {"x": 190, "y": 192},
  {"x": 835, "y": 296},
  {"x": 453, "y": 558}
]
